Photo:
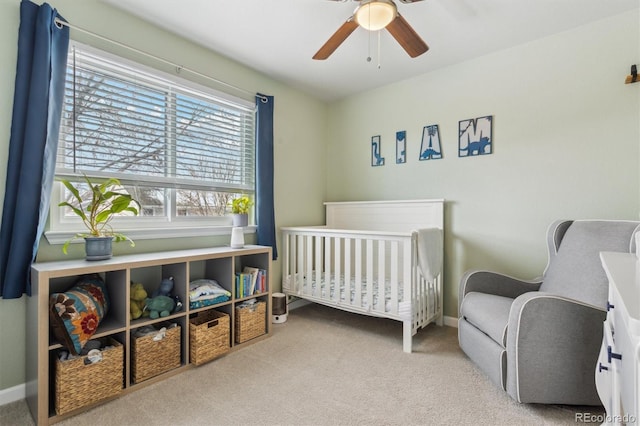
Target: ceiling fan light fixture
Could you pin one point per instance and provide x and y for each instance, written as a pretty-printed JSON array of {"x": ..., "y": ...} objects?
[{"x": 374, "y": 15}]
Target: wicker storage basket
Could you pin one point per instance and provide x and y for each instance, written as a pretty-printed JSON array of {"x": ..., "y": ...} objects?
[
  {"x": 208, "y": 336},
  {"x": 152, "y": 357},
  {"x": 250, "y": 321},
  {"x": 78, "y": 385}
]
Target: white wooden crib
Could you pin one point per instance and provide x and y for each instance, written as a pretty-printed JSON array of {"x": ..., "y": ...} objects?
[{"x": 368, "y": 249}]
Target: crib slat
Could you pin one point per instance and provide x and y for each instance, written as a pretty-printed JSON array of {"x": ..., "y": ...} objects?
[
  {"x": 422, "y": 308},
  {"x": 369, "y": 267},
  {"x": 286, "y": 264},
  {"x": 308, "y": 272},
  {"x": 427, "y": 288},
  {"x": 319, "y": 262},
  {"x": 382, "y": 300},
  {"x": 394, "y": 277},
  {"x": 410, "y": 261},
  {"x": 347, "y": 271},
  {"x": 337, "y": 280},
  {"x": 296, "y": 276},
  {"x": 327, "y": 269},
  {"x": 439, "y": 306},
  {"x": 300, "y": 261},
  {"x": 357, "y": 299}
]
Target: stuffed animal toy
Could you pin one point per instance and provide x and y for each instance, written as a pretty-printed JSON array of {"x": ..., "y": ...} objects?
[
  {"x": 166, "y": 285},
  {"x": 179, "y": 304},
  {"x": 159, "y": 306},
  {"x": 137, "y": 297}
]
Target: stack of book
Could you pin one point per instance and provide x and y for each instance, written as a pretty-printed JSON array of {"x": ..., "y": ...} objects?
[{"x": 251, "y": 281}]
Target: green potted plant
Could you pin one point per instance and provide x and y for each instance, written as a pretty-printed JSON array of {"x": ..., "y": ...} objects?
[
  {"x": 240, "y": 207},
  {"x": 97, "y": 207}
]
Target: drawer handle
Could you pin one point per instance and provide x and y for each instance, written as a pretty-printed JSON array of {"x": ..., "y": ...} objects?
[
  {"x": 602, "y": 367},
  {"x": 609, "y": 306},
  {"x": 612, "y": 355}
]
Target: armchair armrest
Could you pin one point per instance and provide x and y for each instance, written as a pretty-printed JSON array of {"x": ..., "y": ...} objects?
[
  {"x": 494, "y": 283},
  {"x": 544, "y": 327}
]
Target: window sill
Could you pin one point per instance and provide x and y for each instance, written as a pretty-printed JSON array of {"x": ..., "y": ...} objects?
[{"x": 60, "y": 237}]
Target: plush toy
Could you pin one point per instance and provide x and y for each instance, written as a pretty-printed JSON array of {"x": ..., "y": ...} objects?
[
  {"x": 179, "y": 304},
  {"x": 159, "y": 306},
  {"x": 137, "y": 298},
  {"x": 166, "y": 285}
]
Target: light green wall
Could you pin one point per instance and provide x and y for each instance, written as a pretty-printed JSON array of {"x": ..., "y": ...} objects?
[
  {"x": 566, "y": 136},
  {"x": 566, "y": 143},
  {"x": 299, "y": 132}
]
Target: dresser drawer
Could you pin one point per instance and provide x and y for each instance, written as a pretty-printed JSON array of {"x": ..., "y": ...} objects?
[
  {"x": 627, "y": 370},
  {"x": 607, "y": 374},
  {"x": 621, "y": 346}
]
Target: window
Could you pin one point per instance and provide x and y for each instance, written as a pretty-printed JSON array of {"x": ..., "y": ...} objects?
[{"x": 182, "y": 150}]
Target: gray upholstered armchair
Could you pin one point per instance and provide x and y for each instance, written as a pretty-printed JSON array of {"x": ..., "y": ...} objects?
[{"x": 539, "y": 340}]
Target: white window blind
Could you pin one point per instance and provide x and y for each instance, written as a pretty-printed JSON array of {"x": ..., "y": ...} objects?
[{"x": 122, "y": 121}]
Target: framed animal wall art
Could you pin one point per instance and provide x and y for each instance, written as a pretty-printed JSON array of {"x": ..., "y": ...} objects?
[
  {"x": 376, "y": 156},
  {"x": 401, "y": 147},
  {"x": 430, "y": 148},
  {"x": 475, "y": 136}
]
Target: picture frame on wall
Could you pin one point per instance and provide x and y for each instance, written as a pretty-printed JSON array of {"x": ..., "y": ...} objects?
[
  {"x": 475, "y": 136},
  {"x": 401, "y": 147},
  {"x": 430, "y": 148},
  {"x": 376, "y": 157}
]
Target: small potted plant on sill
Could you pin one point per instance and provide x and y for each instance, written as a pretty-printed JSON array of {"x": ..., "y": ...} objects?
[
  {"x": 102, "y": 203},
  {"x": 240, "y": 210}
]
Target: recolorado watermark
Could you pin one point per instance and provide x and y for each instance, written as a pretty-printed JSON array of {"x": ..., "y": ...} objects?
[{"x": 605, "y": 418}]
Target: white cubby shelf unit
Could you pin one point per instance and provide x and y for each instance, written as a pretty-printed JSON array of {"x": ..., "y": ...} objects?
[{"x": 218, "y": 263}]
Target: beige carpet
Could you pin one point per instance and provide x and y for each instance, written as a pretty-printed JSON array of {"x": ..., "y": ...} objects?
[{"x": 326, "y": 367}]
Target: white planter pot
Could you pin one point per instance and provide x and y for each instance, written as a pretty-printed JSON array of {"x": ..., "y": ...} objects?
[
  {"x": 237, "y": 237},
  {"x": 240, "y": 220}
]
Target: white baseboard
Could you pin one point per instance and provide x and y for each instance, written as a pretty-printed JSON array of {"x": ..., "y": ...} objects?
[
  {"x": 450, "y": 321},
  {"x": 12, "y": 394}
]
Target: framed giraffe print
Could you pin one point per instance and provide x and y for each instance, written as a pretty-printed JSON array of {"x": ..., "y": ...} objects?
[{"x": 475, "y": 136}]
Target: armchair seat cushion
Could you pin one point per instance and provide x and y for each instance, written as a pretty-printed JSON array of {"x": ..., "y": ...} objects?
[{"x": 489, "y": 313}]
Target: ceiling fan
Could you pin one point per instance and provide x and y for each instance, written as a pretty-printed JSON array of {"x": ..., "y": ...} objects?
[{"x": 375, "y": 15}]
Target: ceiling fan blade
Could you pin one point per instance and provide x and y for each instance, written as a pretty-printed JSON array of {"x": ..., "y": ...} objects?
[
  {"x": 409, "y": 1},
  {"x": 410, "y": 41},
  {"x": 336, "y": 39}
]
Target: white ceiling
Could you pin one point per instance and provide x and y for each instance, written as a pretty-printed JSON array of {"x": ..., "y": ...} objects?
[{"x": 279, "y": 37}]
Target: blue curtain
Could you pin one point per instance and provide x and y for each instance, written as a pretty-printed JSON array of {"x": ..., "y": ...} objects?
[
  {"x": 265, "y": 216},
  {"x": 37, "y": 107}
]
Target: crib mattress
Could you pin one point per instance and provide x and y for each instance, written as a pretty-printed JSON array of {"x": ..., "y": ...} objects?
[{"x": 327, "y": 291}]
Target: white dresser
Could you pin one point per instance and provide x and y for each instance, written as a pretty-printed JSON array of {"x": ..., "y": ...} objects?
[{"x": 618, "y": 366}]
